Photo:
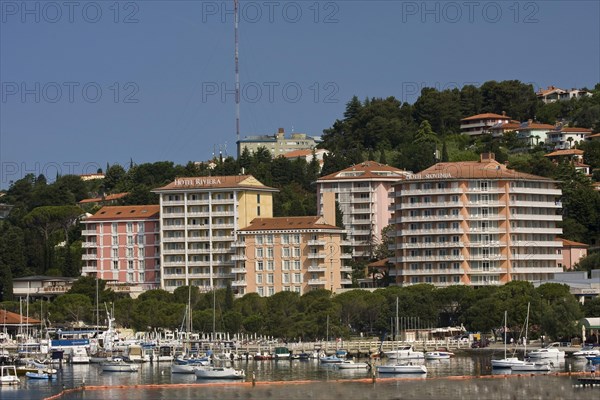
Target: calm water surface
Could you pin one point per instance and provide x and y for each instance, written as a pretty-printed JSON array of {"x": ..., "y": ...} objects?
[{"x": 328, "y": 382}]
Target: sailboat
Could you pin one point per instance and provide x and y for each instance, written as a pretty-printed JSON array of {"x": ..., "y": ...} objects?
[
  {"x": 528, "y": 366},
  {"x": 331, "y": 359},
  {"x": 506, "y": 362},
  {"x": 407, "y": 368}
]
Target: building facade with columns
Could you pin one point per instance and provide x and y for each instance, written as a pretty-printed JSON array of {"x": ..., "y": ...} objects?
[
  {"x": 199, "y": 221},
  {"x": 475, "y": 223}
]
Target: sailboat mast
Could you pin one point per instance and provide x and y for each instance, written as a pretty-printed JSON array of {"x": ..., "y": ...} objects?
[
  {"x": 237, "y": 70},
  {"x": 505, "y": 334}
]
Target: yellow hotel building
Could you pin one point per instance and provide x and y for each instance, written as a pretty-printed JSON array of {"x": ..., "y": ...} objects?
[
  {"x": 295, "y": 254},
  {"x": 475, "y": 223},
  {"x": 199, "y": 221}
]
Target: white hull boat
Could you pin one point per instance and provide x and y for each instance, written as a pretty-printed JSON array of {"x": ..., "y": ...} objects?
[
  {"x": 119, "y": 365},
  {"x": 551, "y": 352},
  {"x": 219, "y": 373},
  {"x": 404, "y": 353},
  {"x": 438, "y": 355},
  {"x": 508, "y": 362},
  {"x": 330, "y": 360},
  {"x": 531, "y": 367},
  {"x": 8, "y": 375},
  {"x": 184, "y": 368},
  {"x": 350, "y": 364},
  {"x": 586, "y": 353},
  {"x": 402, "y": 369}
]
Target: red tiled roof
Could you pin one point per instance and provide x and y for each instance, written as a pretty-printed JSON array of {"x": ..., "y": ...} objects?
[
  {"x": 126, "y": 212},
  {"x": 544, "y": 92},
  {"x": 488, "y": 169},
  {"x": 575, "y": 130},
  {"x": 289, "y": 223},
  {"x": 568, "y": 152},
  {"x": 486, "y": 116},
  {"x": 366, "y": 170},
  {"x": 507, "y": 126},
  {"x": 298, "y": 153},
  {"x": 212, "y": 182},
  {"x": 11, "y": 318},
  {"x": 535, "y": 125},
  {"x": 570, "y": 243},
  {"x": 109, "y": 197}
]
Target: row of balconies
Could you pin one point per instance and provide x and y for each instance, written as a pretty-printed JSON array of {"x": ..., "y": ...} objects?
[
  {"x": 433, "y": 271},
  {"x": 182, "y": 202},
  {"x": 423, "y": 192}
]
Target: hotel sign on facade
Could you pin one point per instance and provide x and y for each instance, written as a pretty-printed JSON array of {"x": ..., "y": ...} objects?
[{"x": 197, "y": 182}]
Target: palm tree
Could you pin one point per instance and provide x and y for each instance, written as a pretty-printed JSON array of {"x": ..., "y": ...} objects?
[{"x": 570, "y": 140}]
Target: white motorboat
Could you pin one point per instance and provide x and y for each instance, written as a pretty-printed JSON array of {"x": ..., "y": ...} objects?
[
  {"x": 117, "y": 364},
  {"x": 438, "y": 355},
  {"x": 8, "y": 375},
  {"x": 587, "y": 352},
  {"x": 219, "y": 373},
  {"x": 550, "y": 352},
  {"x": 404, "y": 353},
  {"x": 537, "y": 366},
  {"x": 351, "y": 364},
  {"x": 402, "y": 369}
]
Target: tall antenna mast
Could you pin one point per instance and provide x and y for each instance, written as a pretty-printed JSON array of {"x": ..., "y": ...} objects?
[{"x": 237, "y": 71}]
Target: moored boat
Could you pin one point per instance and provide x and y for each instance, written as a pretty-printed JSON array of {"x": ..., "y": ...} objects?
[
  {"x": 8, "y": 375},
  {"x": 330, "y": 359},
  {"x": 40, "y": 374},
  {"x": 351, "y": 364},
  {"x": 219, "y": 373},
  {"x": 537, "y": 366},
  {"x": 552, "y": 352},
  {"x": 438, "y": 355},
  {"x": 402, "y": 369},
  {"x": 118, "y": 364},
  {"x": 405, "y": 353}
]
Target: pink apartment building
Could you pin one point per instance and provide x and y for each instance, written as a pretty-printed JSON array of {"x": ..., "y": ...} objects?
[
  {"x": 122, "y": 246},
  {"x": 363, "y": 193},
  {"x": 572, "y": 252}
]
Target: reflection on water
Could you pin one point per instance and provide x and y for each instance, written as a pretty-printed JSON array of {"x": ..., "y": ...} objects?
[{"x": 325, "y": 385}]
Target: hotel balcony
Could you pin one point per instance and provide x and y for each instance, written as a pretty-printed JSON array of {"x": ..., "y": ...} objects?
[
  {"x": 238, "y": 257},
  {"x": 536, "y": 217},
  {"x": 222, "y": 226},
  {"x": 222, "y": 250},
  {"x": 89, "y": 270},
  {"x": 345, "y": 268},
  {"x": 359, "y": 232},
  {"x": 319, "y": 268},
  {"x": 449, "y": 258},
  {"x": 486, "y": 257},
  {"x": 180, "y": 227},
  {"x": 554, "y": 231},
  {"x": 346, "y": 256},
  {"x": 536, "y": 204},
  {"x": 173, "y": 215},
  {"x": 433, "y": 245},
  {"x": 89, "y": 256},
  {"x": 536, "y": 243},
  {"x": 429, "y": 218},
  {"x": 551, "y": 192},
  {"x": 491, "y": 243},
  {"x": 480, "y": 271},
  {"x": 346, "y": 243},
  {"x": 312, "y": 256},
  {"x": 345, "y": 281},
  {"x": 238, "y": 283},
  {"x": 89, "y": 232},
  {"x": 439, "y": 204},
  {"x": 173, "y": 251},
  {"x": 476, "y": 229},
  {"x": 537, "y": 270},
  {"x": 239, "y": 271},
  {"x": 238, "y": 243},
  {"x": 485, "y": 283},
  {"x": 317, "y": 282},
  {"x": 440, "y": 231},
  {"x": 489, "y": 203},
  {"x": 533, "y": 256},
  {"x": 486, "y": 217},
  {"x": 197, "y": 251},
  {"x": 198, "y": 263},
  {"x": 356, "y": 200},
  {"x": 316, "y": 243},
  {"x": 423, "y": 272},
  {"x": 222, "y": 201},
  {"x": 87, "y": 245},
  {"x": 166, "y": 239}
]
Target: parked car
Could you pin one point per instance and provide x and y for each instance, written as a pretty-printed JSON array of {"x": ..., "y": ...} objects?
[{"x": 480, "y": 344}]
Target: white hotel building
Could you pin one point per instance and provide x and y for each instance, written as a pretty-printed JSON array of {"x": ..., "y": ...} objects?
[
  {"x": 199, "y": 221},
  {"x": 475, "y": 223}
]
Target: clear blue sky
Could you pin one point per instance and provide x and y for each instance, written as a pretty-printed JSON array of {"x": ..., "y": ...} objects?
[{"x": 86, "y": 83}]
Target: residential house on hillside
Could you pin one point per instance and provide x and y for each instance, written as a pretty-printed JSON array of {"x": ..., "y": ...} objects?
[
  {"x": 572, "y": 252},
  {"x": 572, "y": 156},
  {"x": 563, "y": 137},
  {"x": 482, "y": 123},
  {"x": 308, "y": 155},
  {"x": 553, "y": 94}
]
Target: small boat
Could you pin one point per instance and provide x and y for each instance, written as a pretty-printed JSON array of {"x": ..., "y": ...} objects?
[
  {"x": 341, "y": 353},
  {"x": 507, "y": 362},
  {"x": 40, "y": 375},
  {"x": 8, "y": 375},
  {"x": 438, "y": 355},
  {"x": 330, "y": 359},
  {"x": 404, "y": 353},
  {"x": 351, "y": 364},
  {"x": 402, "y": 369},
  {"x": 587, "y": 352},
  {"x": 552, "y": 351},
  {"x": 219, "y": 373},
  {"x": 533, "y": 366},
  {"x": 282, "y": 353},
  {"x": 118, "y": 364},
  {"x": 593, "y": 359}
]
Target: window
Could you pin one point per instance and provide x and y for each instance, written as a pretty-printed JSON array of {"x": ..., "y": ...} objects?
[
  {"x": 130, "y": 264},
  {"x": 269, "y": 239},
  {"x": 129, "y": 252},
  {"x": 259, "y": 252},
  {"x": 140, "y": 227},
  {"x": 130, "y": 240},
  {"x": 141, "y": 265},
  {"x": 261, "y": 291},
  {"x": 115, "y": 264},
  {"x": 115, "y": 240},
  {"x": 115, "y": 227},
  {"x": 285, "y": 252},
  {"x": 259, "y": 266},
  {"x": 129, "y": 227},
  {"x": 270, "y": 278},
  {"x": 297, "y": 278},
  {"x": 296, "y": 238},
  {"x": 259, "y": 279},
  {"x": 258, "y": 211},
  {"x": 115, "y": 253},
  {"x": 286, "y": 265},
  {"x": 271, "y": 290},
  {"x": 269, "y": 252},
  {"x": 258, "y": 199},
  {"x": 286, "y": 278},
  {"x": 296, "y": 265},
  {"x": 285, "y": 239},
  {"x": 296, "y": 251}
]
